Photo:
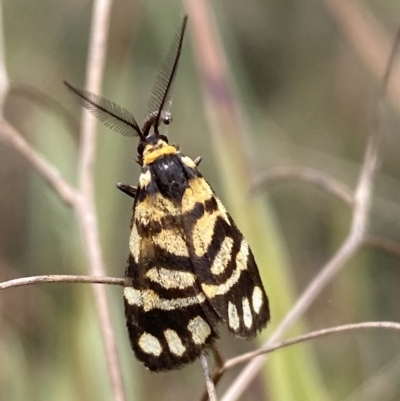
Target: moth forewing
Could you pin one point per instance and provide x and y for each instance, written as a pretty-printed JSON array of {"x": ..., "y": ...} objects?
[{"x": 189, "y": 267}]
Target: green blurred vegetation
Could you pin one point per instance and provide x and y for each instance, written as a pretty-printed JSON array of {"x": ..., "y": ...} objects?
[{"x": 305, "y": 95}]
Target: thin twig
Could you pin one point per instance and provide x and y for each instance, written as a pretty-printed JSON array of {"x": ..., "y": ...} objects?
[
  {"x": 218, "y": 371},
  {"x": 49, "y": 173},
  {"x": 212, "y": 395},
  {"x": 309, "y": 336},
  {"x": 385, "y": 244},
  {"x": 86, "y": 207},
  {"x": 60, "y": 278},
  {"x": 352, "y": 243},
  {"x": 305, "y": 174}
]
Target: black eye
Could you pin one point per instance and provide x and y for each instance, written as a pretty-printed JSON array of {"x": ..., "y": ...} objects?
[
  {"x": 140, "y": 148},
  {"x": 167, "y": 120},
  {"x": 163, "y": 138},
  {"x": 166, "y": 117}
]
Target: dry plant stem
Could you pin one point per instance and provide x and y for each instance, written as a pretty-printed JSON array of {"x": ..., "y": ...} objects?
[
  {"x": 310, "y": 336},
  {"x": 360, "y": 218},
  {"x": 218, "y": 370},
  {"x": 212, "y": 395},
  {"x": 86, "y": 206},
  {"x": 385, "y": 244},
  {"x": 305, "y": 174},
  {"x": 58, "y": 278},
  {"x": 49, "y": 173},
  {"x": 368, "y": 37}
]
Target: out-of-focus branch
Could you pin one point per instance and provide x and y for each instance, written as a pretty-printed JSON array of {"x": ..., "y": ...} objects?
[
  {"x": 384, "y": 244},
  {"x": 86, "y": 207},
  {"x": 49, "y": 173},
  {"x": 4, "y": 82},
  {"x": 298, "y": 173},
  {"x": 369, "y": 39},
  {"x": 82, "y": 199},
  {"x": 59, "y": 278},
  {"x": 212, "y": 395},
  {"x": 354, "y": 240}
]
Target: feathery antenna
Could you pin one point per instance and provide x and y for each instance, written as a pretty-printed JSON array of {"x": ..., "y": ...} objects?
[
  {"x": 108, "y": 112},
  {"x": 160, "y": 97}
]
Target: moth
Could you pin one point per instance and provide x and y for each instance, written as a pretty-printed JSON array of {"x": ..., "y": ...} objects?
[{"x": 189, "y": 267}]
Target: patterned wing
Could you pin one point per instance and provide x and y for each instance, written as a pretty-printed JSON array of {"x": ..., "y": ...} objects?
[
  {"x": 222, "y": 260},
  {"x": 164, "y": 306}
]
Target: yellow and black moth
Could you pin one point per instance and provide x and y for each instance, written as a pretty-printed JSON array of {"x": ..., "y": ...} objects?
[{"x": 189, "y": 267}]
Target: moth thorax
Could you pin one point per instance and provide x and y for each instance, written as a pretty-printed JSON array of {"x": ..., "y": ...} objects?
[{"x": 153, "y": 152}]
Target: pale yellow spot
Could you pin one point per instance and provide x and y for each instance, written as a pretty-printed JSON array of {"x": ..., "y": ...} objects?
[
  {"x": 174, "y": 342},
  {"x": 145, "y": 179},
  {"x": 134, "y": 244},
  {"x": 150, "y": 344},
  {"x": 188, "y": 161},
  {"x": 154, "y": 208},
  {"x": 247, "y": 316},
  {"x": 171, "y": 278},
  {"x": 203, "y": 233},
  {"x": 212, "y": 290},
  {"x": 257, "y": 299},
  {"x": 149, "y": 300},
  {"x": 233, "y": 317},
  {"x": 223, "y": 256},
  {"x": 200, "y": 330},
  {"x": 172, "y": 242},
  {"x": 198, "y": 191},
  {"x": 222, "y": 210},
  {"x": 151, "y": 154}
]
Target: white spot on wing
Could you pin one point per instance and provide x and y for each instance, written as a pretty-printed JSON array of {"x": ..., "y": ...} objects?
[
  {"x": 171, "y": 278},
  {"x": 257, "y": 299},
  {"x": 150, "y": 344},
  {"x": 247, "y": 316},
  {"x": 200, "y": 330},
  {"x": 133, "y": 296},
  {"x": 174, "y": 342},
  {"x": 134, "y": 244},
  {"x": 233, "y": 317},
  {"x": 223, "y": 256}
]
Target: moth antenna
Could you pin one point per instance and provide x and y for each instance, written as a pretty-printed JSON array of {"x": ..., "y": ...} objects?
[
  {"x": 109, "y": 113},
  {"x": 161, "y": 94}
]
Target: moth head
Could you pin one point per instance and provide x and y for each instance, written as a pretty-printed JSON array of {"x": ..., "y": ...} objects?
[{"x": 154, "y": 147}]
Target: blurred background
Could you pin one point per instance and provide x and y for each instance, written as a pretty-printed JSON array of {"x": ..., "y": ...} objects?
[{"x": 305, "y": 91}]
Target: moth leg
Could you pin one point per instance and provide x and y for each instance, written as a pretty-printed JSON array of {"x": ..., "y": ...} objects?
[
  {"x": 127, "y": 189},
  {"x": 219, "y": 359},
  {"x": 198, "y": 160}
]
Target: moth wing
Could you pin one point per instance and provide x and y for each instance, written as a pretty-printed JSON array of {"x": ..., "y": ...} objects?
[
  {"x": 222, "y": 261},
  {"x": 164, "y": 305}
]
